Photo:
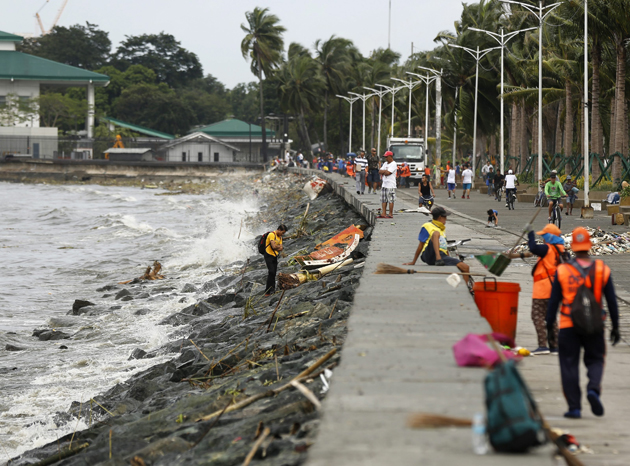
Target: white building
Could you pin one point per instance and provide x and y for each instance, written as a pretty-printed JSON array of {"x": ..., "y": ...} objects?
[
  {"x": 20, "y": 78},
  {"x": 200, "y": 147}
]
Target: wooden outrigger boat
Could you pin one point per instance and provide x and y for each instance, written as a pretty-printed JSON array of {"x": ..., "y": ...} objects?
[{"x": 333, "y": 250}]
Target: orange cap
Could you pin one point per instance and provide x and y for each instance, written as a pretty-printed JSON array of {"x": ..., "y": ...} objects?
[
  {"x": 581, "y": 240},
  {"x": 550, "y": 228}
]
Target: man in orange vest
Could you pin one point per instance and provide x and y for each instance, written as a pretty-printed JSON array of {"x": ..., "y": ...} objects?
[
  {"x": 405, "y": 173},
  {"x": 350, "y": 168},
  {"x": 572, "y": 336},
  {"x": 544, "y": 273}
]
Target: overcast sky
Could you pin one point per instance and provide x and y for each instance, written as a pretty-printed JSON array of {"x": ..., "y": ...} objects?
[{"x": 211, "y": 28}]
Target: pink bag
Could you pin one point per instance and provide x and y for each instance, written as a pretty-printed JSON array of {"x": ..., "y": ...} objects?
[{"x": 474, "y": 351}]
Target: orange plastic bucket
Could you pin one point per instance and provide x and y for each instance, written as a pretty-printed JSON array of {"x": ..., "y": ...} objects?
[{"x": 498, "y": 303}]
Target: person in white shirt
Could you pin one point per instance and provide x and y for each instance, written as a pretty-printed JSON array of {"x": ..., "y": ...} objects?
[
  {"x": 360, "y": 163},
  {"x": 467, "y": 176},
  {"x": 388, "y": 190},
  {"x": 450, "y": 182},
  {"x": 510, "y": 182},
  {"x": 484, "y": 170}
]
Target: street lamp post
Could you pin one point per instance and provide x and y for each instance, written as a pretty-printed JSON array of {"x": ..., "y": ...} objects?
[
  {"x": 426, "y": 80},
  {"x": 393, "y": 90},
  {"x": 587, "y": 154},
  {"x": 363, "y": 97},
  {"x": 438, "y": 113},
  {"x": 350, "y": 100},
  {"x": 477, "y": 55},
  {"x": 502, "y": 39},
  {"x": 541, "y": 15},
  {"x": 409, "y": 85},
  {"x": 380, "y": 95}
]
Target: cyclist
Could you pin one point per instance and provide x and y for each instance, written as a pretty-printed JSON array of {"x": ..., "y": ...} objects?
[
  {"x": 425, "y": 191},
  {"x": 510, "y": 183},
  {"x": 554, "y": 192},
  {"x": 498, "y": 182}
]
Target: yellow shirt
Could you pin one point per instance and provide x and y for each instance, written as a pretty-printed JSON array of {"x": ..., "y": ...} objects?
[{"x": 272, "y": 237}]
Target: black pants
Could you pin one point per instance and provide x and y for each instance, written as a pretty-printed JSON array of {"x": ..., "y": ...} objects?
[
  {"x": 272, "y": 266},
  {"x": 570, "y": 345}
]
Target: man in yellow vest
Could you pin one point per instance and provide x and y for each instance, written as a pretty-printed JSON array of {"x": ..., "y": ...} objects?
[
  {"x": 574, "y": 334},
  {"x": 433, "y": 247},
  {"x": 273, "y": 249}
]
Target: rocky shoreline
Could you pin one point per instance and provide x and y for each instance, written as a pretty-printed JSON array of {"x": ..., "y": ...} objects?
[{"x": 234, "y": 356}]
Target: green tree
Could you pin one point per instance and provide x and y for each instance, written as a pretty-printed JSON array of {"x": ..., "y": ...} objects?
[
  {"x": 57, "y": 109},
  {"x": 262, "y": 45},
  {"x": 84, "y": 46},
  {"x": 172, "y": 64}
]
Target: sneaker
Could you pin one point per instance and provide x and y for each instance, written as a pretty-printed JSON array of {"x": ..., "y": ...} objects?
[
  {"x": 358, "y": 192},
  {"x": 573, "y": 414},
  {"x": 541, "y": 350},
  {"x": 462, "y": 196},
  {"x": 596, "y": 404}
]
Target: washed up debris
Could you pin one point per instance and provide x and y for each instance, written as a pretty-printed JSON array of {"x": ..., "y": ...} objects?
[
  {"x": 293, "y": 280},
  {"x": 346, "y": 237},
  {"x": 315, "y": 187},
  {"x": 604, "y": 243},
  {"x": 329, "y": 255},
  {"x": 149, "y": 274}
]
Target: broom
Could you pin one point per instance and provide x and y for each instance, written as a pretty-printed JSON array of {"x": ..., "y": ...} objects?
[
  {"x": 430, "y": 421},
  {"x": 393, "y": 270}
]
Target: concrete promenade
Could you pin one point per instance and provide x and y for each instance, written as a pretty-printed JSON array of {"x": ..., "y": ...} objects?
[{"x": 398, "y": 360}]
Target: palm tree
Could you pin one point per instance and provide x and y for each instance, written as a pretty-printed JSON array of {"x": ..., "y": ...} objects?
[
  {"x": 263, "y": 45},
  {"x": 334, "y": 60},
  {"x": 300, "y": 88}
]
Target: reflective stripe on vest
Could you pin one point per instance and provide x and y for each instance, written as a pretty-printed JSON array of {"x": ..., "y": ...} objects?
[{"x": 571, "y": 279}]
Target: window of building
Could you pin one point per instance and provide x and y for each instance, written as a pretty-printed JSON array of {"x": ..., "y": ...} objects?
[
  {"x": 3, "y": 100},
  {"x": 200, "y": 156},
  {"x": 183, "y": 156},
  {"x": 216, "y": 156}
]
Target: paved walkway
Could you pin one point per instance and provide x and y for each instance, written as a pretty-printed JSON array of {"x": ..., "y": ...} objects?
[{"x": 397, "y": 358}]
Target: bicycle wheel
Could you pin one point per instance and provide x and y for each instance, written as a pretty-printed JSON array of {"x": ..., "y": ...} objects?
[
  {"x": 558, "y": 215},
  {"x": 471, "y": 286}
]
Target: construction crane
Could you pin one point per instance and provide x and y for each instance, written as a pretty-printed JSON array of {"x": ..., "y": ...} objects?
[{"x": 39, "y": 19}]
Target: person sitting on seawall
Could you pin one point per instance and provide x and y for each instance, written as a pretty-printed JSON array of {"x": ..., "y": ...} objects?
[
  {"x": 544, "y": 271},
  {"x": 493, "y": 218},
  {"x": 433, "y": 246},
  {"x": 554, "y": 192},
  {"x": 572, "y": 338}
]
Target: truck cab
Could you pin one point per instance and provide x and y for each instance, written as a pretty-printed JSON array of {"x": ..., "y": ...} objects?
[{"x": 410, "y": 150}]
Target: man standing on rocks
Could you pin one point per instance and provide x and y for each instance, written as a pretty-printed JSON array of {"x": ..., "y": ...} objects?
[
  {"x": 273, "y": 248},
  {"x": 359, "y": 166},
  {"x": 373, "y": 178},
  {"x": 433, "y": 248},
  {"x": 388, "y": 191}
]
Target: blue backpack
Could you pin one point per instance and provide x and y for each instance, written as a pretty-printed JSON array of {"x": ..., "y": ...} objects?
[{"x": 513, "y": 422}]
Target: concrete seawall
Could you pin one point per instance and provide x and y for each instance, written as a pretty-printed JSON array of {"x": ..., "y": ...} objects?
[{"x": 100, "y": 170}]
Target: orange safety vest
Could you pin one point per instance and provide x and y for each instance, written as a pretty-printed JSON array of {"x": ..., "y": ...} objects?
[
  {"x": 406, "y": 171},
  {"x": 545, "y": 271},
  {"x": 350, "y": 169},
  {"x": 571, "y": 279},
  {"x": 399, "y": 171},
  {"x": 427, "y": 171}
]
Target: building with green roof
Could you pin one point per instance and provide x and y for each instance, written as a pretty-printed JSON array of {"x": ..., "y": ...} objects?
[
  {"x": 21, "y": 75},
  {"x": 244, "y": 136}
]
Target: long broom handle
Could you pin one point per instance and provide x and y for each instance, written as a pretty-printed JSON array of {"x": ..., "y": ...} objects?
[{"x": 520, "y": 238}]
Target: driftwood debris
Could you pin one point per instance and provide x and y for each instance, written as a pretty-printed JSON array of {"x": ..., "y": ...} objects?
[{"x": 149, "y": 274}]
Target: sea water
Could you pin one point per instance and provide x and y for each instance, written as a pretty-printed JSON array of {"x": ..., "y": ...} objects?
[{"x": 61, "y": 243}]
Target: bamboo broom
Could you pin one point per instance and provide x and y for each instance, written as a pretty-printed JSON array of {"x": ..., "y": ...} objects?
[{"x": 393, "y": 270}]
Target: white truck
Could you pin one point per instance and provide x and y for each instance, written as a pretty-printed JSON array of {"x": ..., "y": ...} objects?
[{"x": 410, "y": 150}]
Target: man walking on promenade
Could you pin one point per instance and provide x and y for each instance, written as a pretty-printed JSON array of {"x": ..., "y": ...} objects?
[
  {"x": 568, "y": 292},
  {"x": 373, "y": 178},
  {"x": 467, "y": 176},
  {"x": 570, "y": 187},
  {"x": 498, "y": 182},
  {"x": 388, "y": 191},
  {"x": 360, "y": 163},
  {"x": 433, "y": 248},
  {"x": 484, "y": 170},
  {"x": 544, "y": 274},
  {"x": 450, "y": 182},
  {"x": 273, "y": 248}
]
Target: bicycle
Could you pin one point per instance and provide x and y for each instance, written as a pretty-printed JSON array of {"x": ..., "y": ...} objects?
[
  {"x": 453, "y": 252},
  {"x": 510, "y": 197},
  {"x": 499, "y": 194},
  {"x": 556, "y": 214},
  {"x": 426, "y": 201}
]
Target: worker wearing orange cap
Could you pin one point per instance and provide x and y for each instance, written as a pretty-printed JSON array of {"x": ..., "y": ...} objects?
[
  {"x": 550, "y": 255},
  {"x": 574, "y": 334}
]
